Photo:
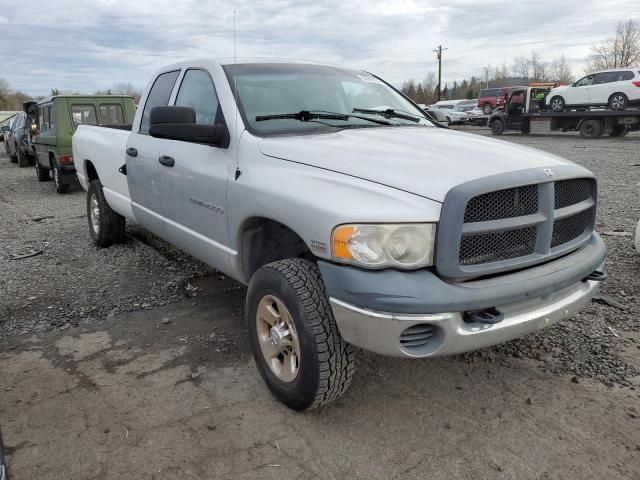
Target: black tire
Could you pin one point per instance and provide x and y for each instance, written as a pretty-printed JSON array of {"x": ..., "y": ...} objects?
[
  {"x": 14, "y": 157},
  {"x": 525, "y": 129},
  {"x": 111, "y": 225},
  {"x": 619, "y": 131},
  {"x": 497, "y": 126},
  {"x": 487, "y": 108},
  {"x": 618, "y": 101},
  {"x": 4, "y": 471},
  {"x": 591, "y": 129},
  {"x": 557, "y": 104},
  {"x": 60, "y": 187},
  {"x": 448, "y": 121},
  {"x": 326, "y": 362},
  {"x": 41, "y": 172},
  {"x": 23, "y": 159}
]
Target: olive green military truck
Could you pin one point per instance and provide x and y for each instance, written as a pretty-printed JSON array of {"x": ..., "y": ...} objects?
[{"x": 58, "y": 117}]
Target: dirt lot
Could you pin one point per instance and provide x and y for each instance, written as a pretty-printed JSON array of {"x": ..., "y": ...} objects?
[{"x": 132, "y": 363}]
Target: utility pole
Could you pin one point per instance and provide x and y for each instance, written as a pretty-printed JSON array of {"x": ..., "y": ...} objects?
[{"x": 438, "y": 52}]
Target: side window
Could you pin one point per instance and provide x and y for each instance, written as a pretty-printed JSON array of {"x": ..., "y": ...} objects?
[
  {"x": 45, "y": 124},
  {"x": 111, "y": 114},
  {"x": 585, "y": 82},
  {"x": 197, "y": 91},
  {"x": 51, "y": 114},
  {"x": 41, "y": 118},
  {"x": 158, "y": 95},
  {"x": 606, "y": 77},
  {"x": 626, "y": 75},
  {"x": 83, "y": 114}
]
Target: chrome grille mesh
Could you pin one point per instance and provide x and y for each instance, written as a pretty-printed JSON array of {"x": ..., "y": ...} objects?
[
  {"x": 572, "y": 191},
  {"x": 570, "y": 228},
  {"x": 508, "y": 203},
  {"x": 493, "y": 247}
]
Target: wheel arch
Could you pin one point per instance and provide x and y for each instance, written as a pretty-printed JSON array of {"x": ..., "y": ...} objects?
[
  {"x": 90, "y": 171},
  {"x": 264, "y": 240}
]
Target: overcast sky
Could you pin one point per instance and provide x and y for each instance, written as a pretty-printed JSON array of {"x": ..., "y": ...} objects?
[{"x": 84, "y": 46}]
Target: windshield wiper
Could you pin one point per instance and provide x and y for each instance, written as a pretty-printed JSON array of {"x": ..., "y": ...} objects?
[
  {"x": 390, "y": 113},
  {"x": 309, "y": 116}
]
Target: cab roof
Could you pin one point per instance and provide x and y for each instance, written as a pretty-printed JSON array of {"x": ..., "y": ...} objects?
[{"x": 53, "y": 97}]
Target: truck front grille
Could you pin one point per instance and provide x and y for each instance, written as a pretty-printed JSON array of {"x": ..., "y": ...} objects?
[
  {"x": 493, "y": 247},
  {"x": 508, "y": 203},
  {"x": 510, "y": 228}
]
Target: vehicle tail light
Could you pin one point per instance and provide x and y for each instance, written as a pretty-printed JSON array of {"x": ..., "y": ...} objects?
[
  {"x": 66, "y": 160},
  {"x": 636, "y": 83}
]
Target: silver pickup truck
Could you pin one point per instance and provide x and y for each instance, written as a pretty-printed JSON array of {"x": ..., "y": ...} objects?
[{"x": 353, "y": 219}]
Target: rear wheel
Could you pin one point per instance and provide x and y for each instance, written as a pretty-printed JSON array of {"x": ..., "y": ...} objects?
[
  {"x": 294, "y": 338},
  {"x": 57, "y": 179},
  {"x": 106, "y": 226},
  {"x": 497, "y": 126},
  {"x": 591, "y": 129},
  {"x": 619, "y": 131},
  {"x": 487, "y": 108},
  {"x": 557, "y": 104},
  {"x": 618, "y": 101}
]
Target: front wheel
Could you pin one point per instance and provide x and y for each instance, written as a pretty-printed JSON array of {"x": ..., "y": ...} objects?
[
  {"x": 294, "y": 338},
  {"x": 23, "y": 159},
  {"x": 41, "y": 172},
  {"x": 557, "y": 104},
  {"x": 106, "y": 226},
  {"x": 497, "y": 127},
  {"x": 57, "y": 181},
  {"x": 487, "y": 108}
]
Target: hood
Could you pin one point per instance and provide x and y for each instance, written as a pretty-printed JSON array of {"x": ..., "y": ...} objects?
[{"x": 426, "y": 161}]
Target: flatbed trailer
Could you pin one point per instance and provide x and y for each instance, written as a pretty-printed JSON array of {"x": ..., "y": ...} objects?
[{"x": 521, "y": 108}]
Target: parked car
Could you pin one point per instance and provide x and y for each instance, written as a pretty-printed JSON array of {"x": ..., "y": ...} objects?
[
  {"x": 492, "y": 98},
  {"x": 6, "y": 133},
  {"x": 57, "y": 119},
  {"x": 353, "y": 220},
  {"x": 477, "y": 116},
  {"x": 18, "y": 146},
  {"x": 616, "y": 89},
  {"x": 452, "y": 114},
  {"x": 437, "y": 116}
]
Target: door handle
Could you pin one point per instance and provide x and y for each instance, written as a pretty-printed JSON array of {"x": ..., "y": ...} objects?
[
  {"x": 167, "y": 161},
  {"x": 132, "y": 152}
]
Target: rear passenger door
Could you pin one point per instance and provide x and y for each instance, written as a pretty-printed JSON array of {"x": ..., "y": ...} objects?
[
  {"x": 603, "y": 86},
  {"x": 194, "y": 188},
  {"x": 142, "y": 159}
]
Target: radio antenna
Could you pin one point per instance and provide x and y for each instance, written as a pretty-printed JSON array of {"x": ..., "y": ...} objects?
[{"x": 235, "y": 70}]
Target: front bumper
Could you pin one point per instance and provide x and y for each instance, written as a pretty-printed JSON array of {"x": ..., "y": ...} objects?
[
  {"x": 373, "y": 308},
  {"x": 381, "y": 332}
]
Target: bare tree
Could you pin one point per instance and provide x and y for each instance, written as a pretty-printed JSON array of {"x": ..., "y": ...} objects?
[
  {"x": 523, "y": 66},
  {"x": 538, "y": 67},
  {"x": 622, "y": 50},
  {"x": 561, "y": 71},
  {"x": 429, "y": 87}
]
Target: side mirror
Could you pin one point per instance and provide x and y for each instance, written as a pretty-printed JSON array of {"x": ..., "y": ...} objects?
[{"x": 179, "y": 123}]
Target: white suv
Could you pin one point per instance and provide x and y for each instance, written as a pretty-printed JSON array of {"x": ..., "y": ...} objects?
[{"x": 617, "y": 89}]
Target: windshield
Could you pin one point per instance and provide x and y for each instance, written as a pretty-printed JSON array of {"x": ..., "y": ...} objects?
[{"x": 267, "y": 90}]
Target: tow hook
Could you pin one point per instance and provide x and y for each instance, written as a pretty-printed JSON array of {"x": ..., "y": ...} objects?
[
  {"x": 488, "y": 316},
  {"x": 596, "y": 276}
]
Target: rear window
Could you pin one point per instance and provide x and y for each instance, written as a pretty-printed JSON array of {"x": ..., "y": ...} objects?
[
  {"x": 83, "y": 115},
  {"x": 627, "y": 75},
  {"x": 111, "y": 114}
]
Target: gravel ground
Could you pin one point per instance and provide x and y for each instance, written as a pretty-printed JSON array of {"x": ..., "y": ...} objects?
[{"x": 132, "y": 362}]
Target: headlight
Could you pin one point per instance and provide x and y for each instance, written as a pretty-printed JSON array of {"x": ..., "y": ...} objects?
[{"x": 409, "y": 245}]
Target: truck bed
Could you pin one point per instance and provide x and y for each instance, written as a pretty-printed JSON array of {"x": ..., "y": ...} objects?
[{"x": 104, "y": 147}]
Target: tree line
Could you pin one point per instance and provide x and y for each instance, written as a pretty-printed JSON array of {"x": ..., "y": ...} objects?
[{"x": 621, "y": 50}]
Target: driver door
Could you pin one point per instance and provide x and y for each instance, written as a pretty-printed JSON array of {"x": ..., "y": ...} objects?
[{"x": 580, "y": 92}]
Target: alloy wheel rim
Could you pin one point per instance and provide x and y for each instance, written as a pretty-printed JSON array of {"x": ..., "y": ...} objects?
[
  {"x": 557, "y": 104},
  {"x": 55, "y": 177},
  {"x": 94, "y": 211},
  {"x": 278, "y": 338},
  {"x": 617, "y": 101}
]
